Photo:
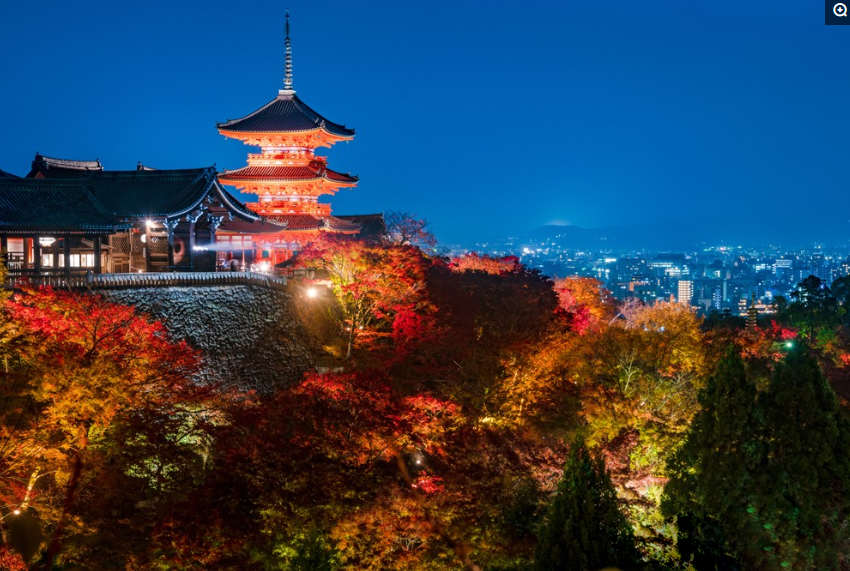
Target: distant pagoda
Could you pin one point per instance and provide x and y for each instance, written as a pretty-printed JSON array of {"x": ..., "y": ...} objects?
[{"x": 287, "y": 176}]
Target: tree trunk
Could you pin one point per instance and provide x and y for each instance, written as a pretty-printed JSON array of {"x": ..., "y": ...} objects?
[
  {"x": 70, "y": 495},
  {"x": 350, "y": 341}
]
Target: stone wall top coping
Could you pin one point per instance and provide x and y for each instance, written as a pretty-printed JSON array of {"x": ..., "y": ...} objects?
[{"x": 142, "y": 280}]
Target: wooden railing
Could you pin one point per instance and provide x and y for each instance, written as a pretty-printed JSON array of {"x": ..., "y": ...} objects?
[{"x": 115, "y": 281}]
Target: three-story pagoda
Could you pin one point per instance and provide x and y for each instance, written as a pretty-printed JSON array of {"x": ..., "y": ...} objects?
[{"x": 287, "y": 176}]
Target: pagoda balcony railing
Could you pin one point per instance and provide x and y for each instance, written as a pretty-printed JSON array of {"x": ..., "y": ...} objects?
[
  {"x": 284, "y": 208},
  {"x": 164, "y": 279},
  {"x": 280, "y": 159}
]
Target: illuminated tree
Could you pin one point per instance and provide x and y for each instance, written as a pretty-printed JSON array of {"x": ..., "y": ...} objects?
[
  {"x": 97, "y": 398},
  {"x": 496, "y": 311},
  {"x": 406, "y": 229},
  {"x": 585, "y": 301},
  {"x": 648, "y": 369},
  {"x": 474, "y": 262},
  {"x": 380, "y": 289},
  {"x": 638, "y": 393}
]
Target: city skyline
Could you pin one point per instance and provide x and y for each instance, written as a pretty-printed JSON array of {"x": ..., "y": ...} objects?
[{"x": 718, "y": 121}]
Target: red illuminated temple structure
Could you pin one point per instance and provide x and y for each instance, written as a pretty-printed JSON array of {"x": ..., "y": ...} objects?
[
  {"x": 287, "y": 176},
  {"x": 69, "y": 216}
]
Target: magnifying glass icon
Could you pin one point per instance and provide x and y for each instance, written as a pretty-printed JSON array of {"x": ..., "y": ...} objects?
[{"x": 840, "y": 10}]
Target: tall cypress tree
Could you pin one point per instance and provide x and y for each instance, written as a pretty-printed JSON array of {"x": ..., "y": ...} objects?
[
  {"x": 584, "y": 528},
  {"x": 805, "y": 483},
  {"x": 710, "y": 485},
  {"x": 761, "y": 481}
]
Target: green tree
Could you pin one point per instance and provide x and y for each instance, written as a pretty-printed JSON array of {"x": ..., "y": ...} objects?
[
  {"x": 584, "y": 528},
  {"x": 841, "y": 290},
  {"x": 314, "y": 553},
  {"x": 762, "y": 479},
  {"x": 813, "y": 308},
  {"x": 710, "y": 483},
  {"x": 804, "y": 486}
]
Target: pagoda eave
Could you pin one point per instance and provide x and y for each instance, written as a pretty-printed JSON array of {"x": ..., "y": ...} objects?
[
  {"x": 311, "y": 139},
  {"x": 320, "y": 186}
]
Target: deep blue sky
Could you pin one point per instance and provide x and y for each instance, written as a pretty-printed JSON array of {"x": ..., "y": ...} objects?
[{"x": 487, "y": 118}]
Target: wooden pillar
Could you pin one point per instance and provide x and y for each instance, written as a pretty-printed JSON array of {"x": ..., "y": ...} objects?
[
  {"x": 171, "y": 225},
  {"x": 55, "y": 251},
  {"x": 192, "y": 246},
  {"x": 215, "y": 222},
  {"x": 36, "y": 255},
  {"x": 97, "y": 263},
  {"x": 27, "y": 250},
  {"x": 66, "y": 253},
  {"x": 147, "y": 249}
]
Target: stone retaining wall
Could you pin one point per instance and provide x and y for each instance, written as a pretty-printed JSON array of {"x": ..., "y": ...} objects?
[{"x": 249, "y": 335}]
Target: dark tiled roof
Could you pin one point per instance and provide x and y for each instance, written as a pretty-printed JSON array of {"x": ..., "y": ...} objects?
[
  {"x": 49, "y": 167},
  {"x": 253, "y": 227},
  {"x": 51, "y": 205},
  {"x": 285, "y": 114},
  {"x": 151, "y": 193},
  {"x": 371, "y": 225},
  {"x": 275, "y": 223},
  {"x": 239, "y": 205},
  {"x": 296, "y": 221},
  {"x": 335, "y": 224},
  {"x": 4, "y": 174},
  {"x": 312, "y": 222},
  {"x": 315, "y": 171}
]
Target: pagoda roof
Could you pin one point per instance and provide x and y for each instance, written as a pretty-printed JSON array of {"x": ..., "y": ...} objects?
[
  {"x": 4, "y": 174},
  {"x": 371, "y": 225},
  {"x": 44, "y": 205},
  {"x": 314, "y": 171},
  {"x": 49, "y": 167},
  {"x": 285, "y": 114}
]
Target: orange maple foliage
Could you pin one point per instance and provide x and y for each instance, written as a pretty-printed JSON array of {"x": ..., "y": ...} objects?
[
  {"x": 380, "y": 289},
  {"x": 474, "y": 262},
  {"x": 87, "y": 374},
  {"x": 585, "y": 301}
]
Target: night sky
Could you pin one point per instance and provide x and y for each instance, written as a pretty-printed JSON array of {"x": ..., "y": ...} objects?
[{"x": 716, "y": 119}]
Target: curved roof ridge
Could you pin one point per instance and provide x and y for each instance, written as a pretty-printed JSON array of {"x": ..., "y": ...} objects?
[
  {"x": 68, "y": 163},
  {"x": 155, "y": 173}
]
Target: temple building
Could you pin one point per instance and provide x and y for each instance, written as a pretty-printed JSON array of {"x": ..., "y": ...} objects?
[
  {"x": 287, "y": 176},
  {"x": 69, "y": 217}
]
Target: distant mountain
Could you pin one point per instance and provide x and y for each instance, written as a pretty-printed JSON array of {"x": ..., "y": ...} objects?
[
  {"x": 614, "y": 238},
  {"x": 569, "y": 236},
  {"x": 679, "y": 236}
]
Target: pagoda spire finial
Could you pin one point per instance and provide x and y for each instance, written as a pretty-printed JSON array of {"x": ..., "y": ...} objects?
[{"x": 287, "y": 66}]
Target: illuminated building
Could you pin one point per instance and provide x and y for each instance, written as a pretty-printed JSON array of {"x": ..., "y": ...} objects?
[
  {"x": 685, "y": 291},
  {"x": 287, "y": 176}
]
